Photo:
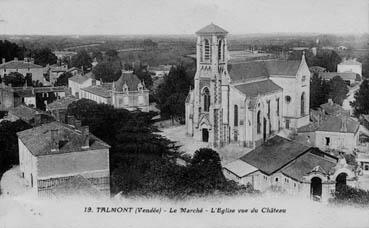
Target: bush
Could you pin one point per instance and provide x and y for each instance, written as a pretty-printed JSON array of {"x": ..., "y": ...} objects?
[{"x": 350, "y": 195}]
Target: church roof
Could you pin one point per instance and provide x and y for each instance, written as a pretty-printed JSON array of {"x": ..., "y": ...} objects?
[
  {"x": 303, "y": 165},
  {"x": 211, "y": 29},
  {"x": 130, "y": 79},
  {"x": 38, "y": 139},
  {"x": 274, "y": 154},
  {"x": 244, "y": 71},
  {"x": 282, "y": 67},
  {"x": 253, "y": 89}
]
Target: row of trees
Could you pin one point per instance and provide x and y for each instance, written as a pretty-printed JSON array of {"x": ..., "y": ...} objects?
[
  {"x": 143, "y": 162},
  {"x": 321, "y": 90}
]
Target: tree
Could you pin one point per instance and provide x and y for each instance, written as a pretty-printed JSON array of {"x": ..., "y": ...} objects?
[
  {"x": 365, "y": 66},
  {"x": 82, "y": 59},
  {"x": 361, "y": 101},
  {"x": 106, "y": 72},
  {"x": 173, "y": 92},
  {"x": 44, "y": 56},
  {"x": 9, "y": 50},
  {"x": 98, "y": 55},
  {"x": 62, "y": 80},
  {"x": 15, "y": 79},
  {"x": 9, "y": 143},
  {"x": 338, "y": 90},
  {"x": 143, "y": 74}
]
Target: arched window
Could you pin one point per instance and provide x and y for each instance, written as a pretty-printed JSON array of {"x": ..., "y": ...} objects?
[
  {"x": 258, "y": 120},
  {"x": 206, "y": 49},
  {"x": 220, "y": 50},
  {"x": 303, "y": 104},
  {"x": 235, "y": 116},
  {"x": 206, "y": 97}
]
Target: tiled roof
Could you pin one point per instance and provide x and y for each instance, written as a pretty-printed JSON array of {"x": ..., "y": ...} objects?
[
  {"x": 61, "y": 103},
  {"x": 130, "y": 79},
  {"x": 336, "y": 123},
  {"x": 25, "y": 113},
  {"x": 38, "y": 139},
  {"x": 240, "y": 168},
  {"x": 98, "y": 90},
  {"x": 79, "y": 78},
  {"x": 247, "y": 70},
  {"x": 303, "y": 165},
  {"x": 244, "y": 71},
  {"x": 211, "y": 29},
  {"x": 253, "y": 89},
  {"x": 344, "y": 76},
  {"x": 274, "y": 154},
  {"x": 282, "y": 67},
  {"x": 332, "y": 108},
  {"x": 18, "y": 64}
]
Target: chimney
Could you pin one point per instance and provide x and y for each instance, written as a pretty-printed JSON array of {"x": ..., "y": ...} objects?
[
  {"x": 32, "y": 60},
  {"x": 85, "y": 137},
  {"x": 54, "y": 140},
  {"x": 37, "y": 119},
  {"x": 3, "y": 60},
  {"x": 15, "y": 58},
  {"x": 344, "y": 124},
  {"x": 78, "y": 124},
  {"x": 330, "y": 101},
  {"x": 70, "y": 120}
]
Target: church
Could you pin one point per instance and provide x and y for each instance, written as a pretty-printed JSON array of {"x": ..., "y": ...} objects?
[{"x": 245, "y": 102}]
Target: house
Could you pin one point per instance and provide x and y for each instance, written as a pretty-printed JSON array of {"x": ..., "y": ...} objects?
[
  {"x": 58, "y": 108},
  {"x": 334, "y": 132},
  {"x": 30, "y": 115},
  {"x": 284, "y": 165},
  {"x": 349, "y": 77},
  {"x": 57, "y": 154},
  {"x": 54, "y": 71},
  {"x": 350, "y": 65},
  {"x": 159, "y": 71},
  {"x": 130, "y": 93},
  {"x": 243, "y": 102},
  {"x": 26, "y": 67},
  {"x": 79, "y": 81}
]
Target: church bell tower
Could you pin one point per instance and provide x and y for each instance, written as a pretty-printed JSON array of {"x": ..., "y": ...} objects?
[{"x": 211, "y": 98}]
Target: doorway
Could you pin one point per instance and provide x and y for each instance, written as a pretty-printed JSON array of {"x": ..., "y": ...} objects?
[
  {"x": 316, "y": 188},
  {"x": 341, "y": 181},
  {"x": 205, "y": 135}
]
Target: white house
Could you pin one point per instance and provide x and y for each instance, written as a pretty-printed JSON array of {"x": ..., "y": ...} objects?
[
  {"x": 79, "y": 81},
  {"x": 350, "y": 65},
  {"x": 25, "y": 67}
]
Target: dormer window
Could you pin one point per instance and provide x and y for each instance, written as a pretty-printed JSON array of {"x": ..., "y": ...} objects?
[
  {"x": 125, "y": 88},
  {"x": 140, "y": 87}
]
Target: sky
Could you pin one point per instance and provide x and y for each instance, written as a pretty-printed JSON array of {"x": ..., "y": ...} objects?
[{"x": 120, "y": 17}]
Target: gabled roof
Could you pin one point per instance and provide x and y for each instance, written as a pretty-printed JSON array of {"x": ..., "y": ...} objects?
[
  {"x": 61, "y": 103},
  {"x": 305, "y": 164},
  {"x": 26, "y": 113},
  {"x": 211, "y": 29},
  {"x": 282, "y": 67},
  {"x": 38, "y": 139},
  {"x": 337, "y": 123},
  {"x": 257, "y": 69},
  {"x": 274, "y": 154},
  {"x": 79, "y": 78},
  {"x": 240, "y": 168},
  {"x": 128, "y": 78},
  {"x": 98, "y": 90},
  {"x": 247, "y": 70},
  {"x": 344, "y": 75},
  {"x": 253, "y": 89},
  {"x": 19, "y": 64},
  {"x": 350, "y": 62}
]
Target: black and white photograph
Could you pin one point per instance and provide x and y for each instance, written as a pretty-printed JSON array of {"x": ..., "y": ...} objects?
[{"x": 184, "y": 113}]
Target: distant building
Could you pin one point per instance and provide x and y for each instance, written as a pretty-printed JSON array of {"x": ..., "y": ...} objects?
[
  {"x": 349, "y": 77},
  {"x": 99, "y": 93},
  {"x": 54, "y": 71},
  {"x": 29, "y": 115},
  {"x": 160, "y": 71},
  {"x": 283, "y": 165},
  {"x": 25, "y": 67},
  {"x": 64, "y": 54},
  {"x": 350, "y": 65},
  {"x": 57, "y": 157},
  {"x": 58, "y": 108},
  {"x": 79, "y": 81}
]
